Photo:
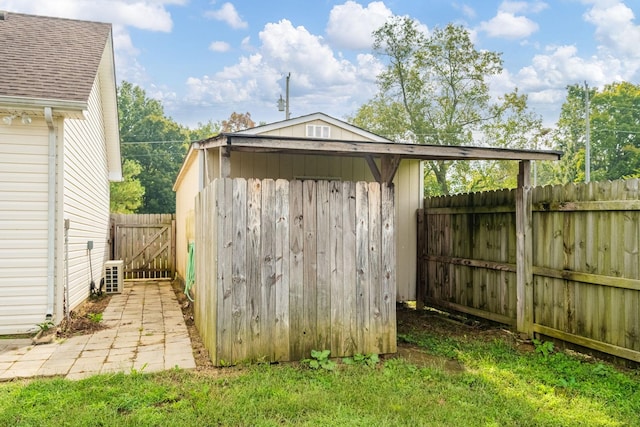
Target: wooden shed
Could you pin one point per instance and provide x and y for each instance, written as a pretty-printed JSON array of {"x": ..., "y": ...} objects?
[{"x": 305, "y": 236}]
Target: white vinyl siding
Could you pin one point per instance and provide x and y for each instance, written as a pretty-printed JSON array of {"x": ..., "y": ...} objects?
[
  {"x": 86, "y": 198},
  {"x": 23, "y": 225}
]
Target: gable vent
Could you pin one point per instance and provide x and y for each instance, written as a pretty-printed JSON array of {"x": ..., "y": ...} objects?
[{"x": 3, "y": 15}]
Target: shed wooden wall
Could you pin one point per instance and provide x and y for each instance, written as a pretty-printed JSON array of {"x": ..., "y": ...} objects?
[{"x": 284, "y": 267}]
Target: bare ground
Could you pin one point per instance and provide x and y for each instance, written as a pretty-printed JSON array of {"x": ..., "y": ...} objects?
[{"x": 86, "y": 319}]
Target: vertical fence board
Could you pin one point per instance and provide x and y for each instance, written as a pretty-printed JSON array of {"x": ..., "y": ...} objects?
[
  {"x": 282, "y": 265},
  {"x": 350, "y": 290},
  {"x": 296, "y": 271},
  {"x": 362, "y": 266},
  {"x": 239, "y": 349},
  {"x": 310, "y": 270},
  {"x": 224, "y": 223},
  {"x": 323, "y": 267},
  {"x": 388, "y": 280},
  {"x": 374, "y": 254},
  {"x": 336, "y": 254},
  {"x": 268, "y": 269}
]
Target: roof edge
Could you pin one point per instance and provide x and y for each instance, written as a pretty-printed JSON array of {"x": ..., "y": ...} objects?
[
  {"x": 314, "y": 116},
  {"x": 61, "y": 106}
]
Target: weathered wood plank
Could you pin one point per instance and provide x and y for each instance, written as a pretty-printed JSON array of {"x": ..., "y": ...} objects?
[
  {"x": 337, "y": 239},
  {"x": 224, "y": 205},
  {"x": 350, "y": 291},
  {"x": 240, "y": 350},
  {"x": 388, "y": 280},
  {"x": 296, "y": 271},
  {"x": 375, "y": 273},
  {"x": 362, "y": 268},
  {"x": 253, "y": 271},
  {"x": 282, "y": 271},
  {"x": 310, "y": 271},
  {"x": 323, "y": 267},
  {"x": 524, "y": 249},
  {"x": 268, "y": 276}
]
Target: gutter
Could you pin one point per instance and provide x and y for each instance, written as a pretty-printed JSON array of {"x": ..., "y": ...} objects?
[{"x": 51, "y": 208}]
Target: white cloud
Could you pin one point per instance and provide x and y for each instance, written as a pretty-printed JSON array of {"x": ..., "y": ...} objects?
[
  {"x": 466, "y": 10},
  {"x": 351, "y": 25},
  {"x": 515, "y": 7},
  {"x": 510, "y": 22},
  {"x": 219, "y": 46},
  {"x": 228, "y": 13},
  {"x": 508, "y": 25},
  {"x": 320, "y": 80},
  {"x": 143, "y": 14},
  {"x": 615, "y": 29}
]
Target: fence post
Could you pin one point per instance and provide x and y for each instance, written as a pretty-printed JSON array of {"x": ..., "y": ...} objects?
[
  {"x": 420, "y": 276},
  {"x": 524, "y": 252}
]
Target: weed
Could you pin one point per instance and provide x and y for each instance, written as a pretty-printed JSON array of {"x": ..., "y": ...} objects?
[
  {"x": 45, "y": 326},
  {"x": 370, "y": 360},
  {"x": 543, "y": 347},
  {"x": 95, "y": 317},
  {"x": 320, "y": 360}
]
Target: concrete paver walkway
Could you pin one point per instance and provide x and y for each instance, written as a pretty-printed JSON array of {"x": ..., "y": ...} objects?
[{"x": 146, "y": 333}]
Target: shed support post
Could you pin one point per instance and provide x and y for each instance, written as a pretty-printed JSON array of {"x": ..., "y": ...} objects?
[
  {"x": 524, "y": 252},
  {"x": 225, "y": 162},
  {"x": 389, "y": 168}
]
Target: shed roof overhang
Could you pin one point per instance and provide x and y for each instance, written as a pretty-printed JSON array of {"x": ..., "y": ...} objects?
[
  {"x": 390, "y": 153},
  {"x": 278, "y": 144}
]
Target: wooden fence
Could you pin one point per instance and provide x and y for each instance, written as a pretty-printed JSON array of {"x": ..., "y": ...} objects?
[
  {"x": 284, "y": 267},
  {"x": 146, "y": 244},
  {"x": 585, "y": 261}
]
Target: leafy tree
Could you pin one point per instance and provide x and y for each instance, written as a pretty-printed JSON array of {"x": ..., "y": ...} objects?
[
  {"x": 510, "y": 125},
  {"x": 614, "y": 133},
  {"x": 204, "y": 130},
  {"x": 156, "y": 142},
  {"x": 569, "y": 137},
  {"x": 126, "y": 196},
  {"x": 434, "y": 90},
  {"x": 238, "y": 122}
]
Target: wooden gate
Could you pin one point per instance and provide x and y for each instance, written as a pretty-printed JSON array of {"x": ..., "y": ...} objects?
[{"x": 146, "y": 244}]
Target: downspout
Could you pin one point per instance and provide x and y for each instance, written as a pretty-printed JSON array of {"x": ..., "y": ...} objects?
[{"x": 51, "y": 207}]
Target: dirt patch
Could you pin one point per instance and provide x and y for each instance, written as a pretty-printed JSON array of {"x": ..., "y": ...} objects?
[
  {"x": 451, "y": 325},
  {"x": 200, "y": 352},
  {"x": 86, "y": 319}
]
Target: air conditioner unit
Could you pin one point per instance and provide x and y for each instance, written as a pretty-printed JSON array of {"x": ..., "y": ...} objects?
[{"x": 113, "y": 276}]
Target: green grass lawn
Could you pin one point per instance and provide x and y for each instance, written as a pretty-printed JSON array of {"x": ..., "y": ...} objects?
[{"x": 447, "y": 375}]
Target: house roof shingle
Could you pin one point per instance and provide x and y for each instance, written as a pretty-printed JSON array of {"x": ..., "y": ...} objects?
[{"x": 49, "y": 58}]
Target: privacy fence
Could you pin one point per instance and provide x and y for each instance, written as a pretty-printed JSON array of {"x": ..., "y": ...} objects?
[
  {"x": 585, "y": 261},
  {"x": 146, "y": 244},
  {"x": 284, "y": 267}
]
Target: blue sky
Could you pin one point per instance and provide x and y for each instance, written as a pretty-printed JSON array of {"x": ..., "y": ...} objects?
[{"x": 206, "y": 59}]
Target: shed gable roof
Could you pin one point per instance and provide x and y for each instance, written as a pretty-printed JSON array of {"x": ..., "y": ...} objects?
[
  {"x": 50, "y": 58},
  {"x": 259, "y": 130}
]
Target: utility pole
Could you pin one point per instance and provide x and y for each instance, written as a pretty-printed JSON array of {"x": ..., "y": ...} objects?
[
  {"x": 587, "y": 150},
  {"x": 283, "y": 104},
  {"x": 287, "y": 115}
]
